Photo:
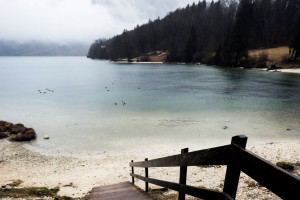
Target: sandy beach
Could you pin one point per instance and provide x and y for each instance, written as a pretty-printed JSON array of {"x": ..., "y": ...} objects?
[
  {"x": 284, "y": 70},
  {"x": 76, "y": 175}
]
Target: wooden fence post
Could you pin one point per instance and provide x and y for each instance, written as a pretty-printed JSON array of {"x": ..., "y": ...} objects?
[
  {"x": 146, "y": 175},
  {"x": 233, "y": 172},
  {"x": 182, "y": 176},
  {"x": 132, "y": 171}
]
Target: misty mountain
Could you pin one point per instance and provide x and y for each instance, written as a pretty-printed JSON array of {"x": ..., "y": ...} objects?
[{"x": 12, "y": 48}]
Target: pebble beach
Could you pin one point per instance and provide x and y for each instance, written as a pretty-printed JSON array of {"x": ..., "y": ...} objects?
[{"x": 76, "y": 175}]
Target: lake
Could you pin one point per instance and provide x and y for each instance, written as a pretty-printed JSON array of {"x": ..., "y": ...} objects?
[{"x": 167, "y": 106}]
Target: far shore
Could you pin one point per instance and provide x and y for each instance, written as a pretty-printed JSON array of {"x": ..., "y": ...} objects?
[
  {"x": 284, "y": 70},
  {"x": 76, "y": 176}
]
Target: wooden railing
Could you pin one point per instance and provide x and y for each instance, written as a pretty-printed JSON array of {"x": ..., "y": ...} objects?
[{"x": 237, "y": 159}]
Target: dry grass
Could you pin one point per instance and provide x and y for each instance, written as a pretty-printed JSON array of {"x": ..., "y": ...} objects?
[
  {"x": 153, "y": 57},
  {"x": 274, "y": 54}
]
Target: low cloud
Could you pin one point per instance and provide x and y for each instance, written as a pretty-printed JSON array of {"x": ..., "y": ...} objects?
[{"x": 77, "y": 20}]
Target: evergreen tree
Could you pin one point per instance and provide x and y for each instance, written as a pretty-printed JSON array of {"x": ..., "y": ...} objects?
[
  {"x": 190, "y": 47},
  {"x": 295, "y": 44},
  {"x": 241, "y": 33}
]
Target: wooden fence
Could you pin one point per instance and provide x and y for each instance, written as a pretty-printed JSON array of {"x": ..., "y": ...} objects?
[{"x": 237, "y": 159}]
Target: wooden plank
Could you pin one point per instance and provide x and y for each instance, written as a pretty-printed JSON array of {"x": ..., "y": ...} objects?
[
  {"x": 182, "y": 175},
  {"x": 132, "y": 171},
  {"x": 122, "y": 191},
  {"x": 279, "y": 181},
  {"x": 233, "y": 172},
  {"x": 190, "y": 190},
  {"x": 214, "y": 156},
  {"x": 146, "y": 175}
]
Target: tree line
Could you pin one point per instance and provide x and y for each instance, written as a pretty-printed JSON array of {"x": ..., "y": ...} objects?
[{"x": 218, "y": 32}]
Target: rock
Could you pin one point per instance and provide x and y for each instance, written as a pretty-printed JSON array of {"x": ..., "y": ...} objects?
[
  {"x": 2, "y": 123},
  {"x": 17, "y": 128},
  {"x": 3, "y": 135},
  {"x": 6, "y": 125},
  {"x": 2, "y": 129},
  {"x": 272, "y": 67},
  {"x": 225, "y": 127},
  {"x": 251, "y": 184},
  {"x": 26, "y": 136},
  {"x": 46, "y": 137},
  {"x": 19, "y": 131}
]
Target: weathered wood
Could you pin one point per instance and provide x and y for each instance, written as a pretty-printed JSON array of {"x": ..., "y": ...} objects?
[
  {"x": 182, "y": 175},
  {"x": 124, "y": 191},
  {"x": 132, "y": 171},
  {"x": 279, "y": 181},
  {"x": 214, "y": 156},
  {"x": 233, "y": 171},
  {"x": 190, "y": 190},
  {"x": 146, "y": 175}
]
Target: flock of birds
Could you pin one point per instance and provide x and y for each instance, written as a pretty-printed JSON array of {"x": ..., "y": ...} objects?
[
  {"x": 44, "y": 92},
  {"x": 123, "y": 102}
]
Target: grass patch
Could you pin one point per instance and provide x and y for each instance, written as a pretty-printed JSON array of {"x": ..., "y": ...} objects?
[
  {"x": 278, "y": 56},
  {"x": 209, "y": 166},
  {"x": 32, "y": 192},
  {"x": 15, "y": 183},
  {"x": 160, "y": 195},
  {"x": 273, "y": 54},
  {"x": 287, "y": 165}
]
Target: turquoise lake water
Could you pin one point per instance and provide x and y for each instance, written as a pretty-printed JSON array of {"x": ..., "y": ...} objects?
[{"x": 173, "y": 106}]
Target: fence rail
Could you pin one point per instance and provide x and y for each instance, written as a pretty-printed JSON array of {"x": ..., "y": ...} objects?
[{"x": 237, "y": 159}]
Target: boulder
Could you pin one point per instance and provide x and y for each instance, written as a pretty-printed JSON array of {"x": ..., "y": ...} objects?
[
  {"x": 2, "y": 129},
  {"x": 2, "y": 123},
  {"x": 4, "y": 135},
  {"x": 17, "y": 128},
  {"x": 19, "y": 131},
  {"x": 26, "y": 136},
  {"x": 272, "y": 67},
  {"x": 8, "y": 125}
]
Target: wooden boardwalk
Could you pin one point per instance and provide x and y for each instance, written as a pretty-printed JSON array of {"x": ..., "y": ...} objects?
[{"x": 124, "y": 191}]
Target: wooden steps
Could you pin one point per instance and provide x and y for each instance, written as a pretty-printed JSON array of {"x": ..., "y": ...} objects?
[{"x": 122, "y": 191}]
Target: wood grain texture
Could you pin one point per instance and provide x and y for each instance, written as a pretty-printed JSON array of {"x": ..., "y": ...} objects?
[{"x": 121, "y": 191}]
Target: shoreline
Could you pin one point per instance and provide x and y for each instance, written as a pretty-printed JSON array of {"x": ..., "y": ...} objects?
[
  {"x": 76, "y": 176},
  {"x": 292, "y": 70},
  {"x": 283, "y": 70}
]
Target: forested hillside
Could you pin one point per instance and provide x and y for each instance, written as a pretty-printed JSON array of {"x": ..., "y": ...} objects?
[{"x": 219, "y": 32}]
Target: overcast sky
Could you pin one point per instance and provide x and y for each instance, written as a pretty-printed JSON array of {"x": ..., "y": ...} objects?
[{"x": 77, "y": 20}]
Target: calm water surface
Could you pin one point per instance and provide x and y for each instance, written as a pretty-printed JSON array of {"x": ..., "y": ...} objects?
[{"x": 172, "y": 106}]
